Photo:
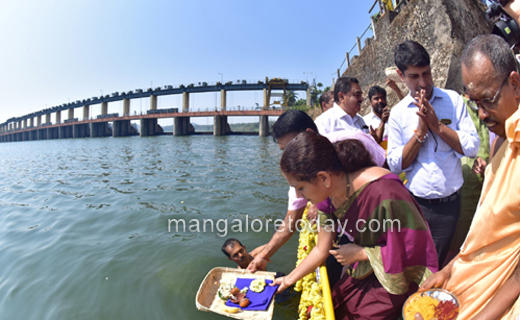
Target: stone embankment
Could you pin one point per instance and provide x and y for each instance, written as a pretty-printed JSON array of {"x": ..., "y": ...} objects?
[{"x": 443, "y": 27}]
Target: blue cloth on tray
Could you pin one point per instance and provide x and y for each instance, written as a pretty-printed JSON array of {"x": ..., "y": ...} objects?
[{"x": 259, "y": 301}]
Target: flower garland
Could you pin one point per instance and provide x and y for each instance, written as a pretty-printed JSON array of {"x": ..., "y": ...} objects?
[{"x": 311, "y": 290}]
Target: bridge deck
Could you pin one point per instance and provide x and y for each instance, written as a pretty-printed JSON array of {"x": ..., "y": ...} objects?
[{"x": 156, "y": 116}]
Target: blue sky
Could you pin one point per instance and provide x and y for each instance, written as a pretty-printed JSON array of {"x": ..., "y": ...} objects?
[{"x": 56, "y": 51}]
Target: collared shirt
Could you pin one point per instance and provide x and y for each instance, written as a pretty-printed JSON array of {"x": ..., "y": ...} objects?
[
  {"x": 372, "y": 120},
  {"x": 434, "y": 173},
  {"x": 378, "y": 156},
  {"x": 336, "y": 119}
]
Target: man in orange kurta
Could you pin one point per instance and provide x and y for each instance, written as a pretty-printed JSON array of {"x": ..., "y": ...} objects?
[{"x": 484, "y": 276}]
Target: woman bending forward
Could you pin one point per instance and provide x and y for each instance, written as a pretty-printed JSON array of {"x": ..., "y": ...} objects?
[{"x": 392, "y": 250}]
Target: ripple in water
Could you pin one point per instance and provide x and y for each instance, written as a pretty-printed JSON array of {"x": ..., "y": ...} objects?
[{"x": 84, "y": 223}]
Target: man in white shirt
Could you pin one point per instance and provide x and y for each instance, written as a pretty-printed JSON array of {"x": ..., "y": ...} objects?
[
  {"x": 348, "y": 97},
  {"x": 378, "y": 117},
  {"x": 428, "y": 132}
]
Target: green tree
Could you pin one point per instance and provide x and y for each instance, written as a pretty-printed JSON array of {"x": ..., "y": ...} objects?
[
  {"x": 316, "y": 93},
  {"x": 289, "y": 99}
]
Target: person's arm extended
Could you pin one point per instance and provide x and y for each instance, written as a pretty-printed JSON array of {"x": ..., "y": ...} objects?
[
  {"x": 315, "y": 258},
  {"x": 439, "y": 279},
  {"x": 280, "y": 237},
  {"x": 503, "y": 299},
  {"x": 390, "y": 83}
]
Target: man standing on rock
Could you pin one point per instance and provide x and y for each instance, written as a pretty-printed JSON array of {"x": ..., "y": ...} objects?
[{"x": 428, "y": 132}]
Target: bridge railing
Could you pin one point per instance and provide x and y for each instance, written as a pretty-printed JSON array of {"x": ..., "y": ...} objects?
[
  {"x": 143, "y": 91},
  {"x": 363, "y": 41}
]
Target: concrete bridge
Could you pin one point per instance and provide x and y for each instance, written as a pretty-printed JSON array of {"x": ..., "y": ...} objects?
[{"x": 31, "y": 126}]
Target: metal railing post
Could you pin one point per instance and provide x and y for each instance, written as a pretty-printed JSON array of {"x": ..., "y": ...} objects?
[{"x": 373, "y": 27}]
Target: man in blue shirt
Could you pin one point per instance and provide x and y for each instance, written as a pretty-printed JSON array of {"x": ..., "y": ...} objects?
[{"x": 428, "y": 132}]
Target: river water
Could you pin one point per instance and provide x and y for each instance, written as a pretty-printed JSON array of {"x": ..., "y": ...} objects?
[{"x": 85, "y": 232}]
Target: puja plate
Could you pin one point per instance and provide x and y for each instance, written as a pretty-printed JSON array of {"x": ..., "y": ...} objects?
[{"x": 437, "y": 294}]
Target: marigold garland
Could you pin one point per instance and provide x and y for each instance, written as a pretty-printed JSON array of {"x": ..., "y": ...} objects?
[{"x": 311, "y": 290}]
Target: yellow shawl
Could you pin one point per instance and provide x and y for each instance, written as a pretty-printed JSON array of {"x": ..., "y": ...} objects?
[{"x": 492, "y": 249}]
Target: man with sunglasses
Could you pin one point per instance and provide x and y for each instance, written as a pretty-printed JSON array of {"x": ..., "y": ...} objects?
[
  {"x": 428, "y": 132},
  {"x": 348, "y": 97},
  {"x": 485, "y": 276}
]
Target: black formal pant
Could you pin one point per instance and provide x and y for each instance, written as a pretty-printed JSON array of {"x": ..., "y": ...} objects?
[{"x": 442, "y": 216}]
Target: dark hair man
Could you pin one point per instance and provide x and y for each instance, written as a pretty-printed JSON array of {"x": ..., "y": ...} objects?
[
  {"x": 326, "y": 101},
  {"x": 485, "y": 276},
  {"x": 428, "y": 132},
  {"x": 236, "y": 251},
  {"x": 378, "y": 117},
  {"x": 289, "y": 124},
  {"x": 348, "y": 97}
]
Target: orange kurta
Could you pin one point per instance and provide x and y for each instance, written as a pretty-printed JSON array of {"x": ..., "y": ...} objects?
[{"x": 492, "y": 249}]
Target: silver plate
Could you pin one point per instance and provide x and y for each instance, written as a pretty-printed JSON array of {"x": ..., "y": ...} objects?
[{"x": 438, "y": 294}]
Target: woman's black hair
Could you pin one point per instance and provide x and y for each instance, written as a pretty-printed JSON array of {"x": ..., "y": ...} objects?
[{"x": 310, "y": 153}]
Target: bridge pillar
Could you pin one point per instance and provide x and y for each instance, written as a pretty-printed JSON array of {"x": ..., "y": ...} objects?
[
  {"x": 126, "y": 107},
  {"x": 39, "y": 120},
  {"x": 81, "y": 130},
  {"x": 100, "y": 129},
  {"x": 266, "y": 99},
  {"x": 150, "y": 127},
  {"x": 58, "y": 117},
  {"x": 181, "y": 126},
  {"x": 71, "y": 113},
  {"x": 185, "y": 102},
  {"x": 263, "y": 128},
  {"x": 42, "y": 134},
  {"x": 48, "y": 118},
  {"x": 33, "y": 135},
  {"x": 65, "y": 132},
  {"x": 52, "y": 133},
  {"x": 104, "y": 108},
  {"x": 153, "y": 102},
  {"x": 31, "y": 122},
  {"x": 309, "y": 96},
  {"x": 220, "y": 126},
  {"x": 122, "y": 128},
  {"x": 25, "y": 123},
  {"x": 86, "y": 112},
  {"x": 223, "y": 100}
]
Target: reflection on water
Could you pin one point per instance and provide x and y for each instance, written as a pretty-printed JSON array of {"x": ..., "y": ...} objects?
[{"x": 84, "y": 223}]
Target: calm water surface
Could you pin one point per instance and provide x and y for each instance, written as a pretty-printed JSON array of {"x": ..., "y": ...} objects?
[{"x": 84, "y": 223}]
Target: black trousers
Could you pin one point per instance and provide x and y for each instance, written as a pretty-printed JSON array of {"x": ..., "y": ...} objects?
[{"x": 442, "y": 219}]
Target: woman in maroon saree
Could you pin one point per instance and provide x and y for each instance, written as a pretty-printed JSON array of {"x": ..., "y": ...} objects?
[{"x": 391, "y": 251}]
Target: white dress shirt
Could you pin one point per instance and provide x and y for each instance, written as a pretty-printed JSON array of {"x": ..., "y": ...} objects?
[
  {"x": 378, "y": 156},
  {"x": 336, "y": 119},
  {"x": 372, "y": 120},
  {"x": 433, "y": 174}
]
